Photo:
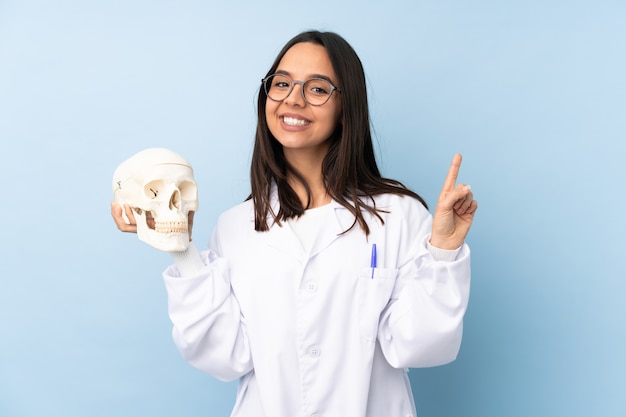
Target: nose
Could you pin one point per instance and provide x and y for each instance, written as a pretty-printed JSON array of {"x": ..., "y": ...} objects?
[
  {"x": 174, "y": 203},
  {"x": 295, "y": 99}
]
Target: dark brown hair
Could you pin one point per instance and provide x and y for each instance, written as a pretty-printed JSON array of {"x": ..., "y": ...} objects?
[{"x": 349, "y": 170}]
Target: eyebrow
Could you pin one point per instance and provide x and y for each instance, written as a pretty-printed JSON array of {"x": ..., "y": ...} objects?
[{"x": 323, "y": 77}]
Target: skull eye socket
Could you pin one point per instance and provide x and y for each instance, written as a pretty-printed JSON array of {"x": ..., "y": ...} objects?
[
  {"x": 152, "y": 189},
  {"x": 188, "y": 190}
]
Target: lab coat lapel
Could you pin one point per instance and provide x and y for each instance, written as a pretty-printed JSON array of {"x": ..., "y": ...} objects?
[
  {"x": 329, "y": 230},
  {"x": 282, "y": 237},
  {"x": 285, "y": 240}
]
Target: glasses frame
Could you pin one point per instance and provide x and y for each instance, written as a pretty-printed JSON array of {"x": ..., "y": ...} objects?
[{"x": 292, "y": 84}]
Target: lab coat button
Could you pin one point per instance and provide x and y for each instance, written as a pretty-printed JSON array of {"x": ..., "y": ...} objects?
[
  {"x": 311, "y": 287},
  {"x": 315, "y": 351}
]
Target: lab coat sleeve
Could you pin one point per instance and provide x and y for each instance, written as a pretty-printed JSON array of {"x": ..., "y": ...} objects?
[
  {"x": 422, "y": 325},
  {"x": 208, "y": 327}
]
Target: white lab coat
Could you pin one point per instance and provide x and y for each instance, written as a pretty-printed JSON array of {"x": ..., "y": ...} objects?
[{"x": 313, "y": 334}]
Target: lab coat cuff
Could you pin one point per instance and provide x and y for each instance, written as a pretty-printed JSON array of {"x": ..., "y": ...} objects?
[
  {"x": 188, "y": 262},
  {"x": 442, "y": 254}
]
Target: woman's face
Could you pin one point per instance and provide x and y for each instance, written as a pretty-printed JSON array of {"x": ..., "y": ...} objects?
[{"x": 297, "y": 125}]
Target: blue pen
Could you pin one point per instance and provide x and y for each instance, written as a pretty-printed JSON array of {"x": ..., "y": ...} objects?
[{"x": 373, "y": 261}]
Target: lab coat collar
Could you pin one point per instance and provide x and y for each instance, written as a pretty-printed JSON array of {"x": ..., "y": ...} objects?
[{"x": 284, "y": 239}]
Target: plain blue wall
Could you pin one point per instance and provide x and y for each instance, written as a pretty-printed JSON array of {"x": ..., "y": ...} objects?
[{"x": 533, "y": 93}]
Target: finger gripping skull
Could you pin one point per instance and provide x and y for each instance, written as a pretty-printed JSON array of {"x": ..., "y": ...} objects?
[{"x": 159, "y": 186}]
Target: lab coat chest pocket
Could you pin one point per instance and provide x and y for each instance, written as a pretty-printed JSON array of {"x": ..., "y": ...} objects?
[{"x": 373, "y": 295}]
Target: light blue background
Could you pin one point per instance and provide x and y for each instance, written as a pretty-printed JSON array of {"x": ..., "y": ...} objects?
[{"x": 533, "y": 93}]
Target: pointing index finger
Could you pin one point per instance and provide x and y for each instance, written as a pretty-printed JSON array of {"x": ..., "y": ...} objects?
[{"x": 453, "y": 173}]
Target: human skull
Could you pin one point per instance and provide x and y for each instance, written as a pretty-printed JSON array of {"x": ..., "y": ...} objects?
[{"x": 158, "y": 184}]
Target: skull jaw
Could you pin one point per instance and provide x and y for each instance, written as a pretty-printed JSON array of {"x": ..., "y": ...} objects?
[
  {"x": 170, "y": 242},
  {"x": 164, "y": 241}
]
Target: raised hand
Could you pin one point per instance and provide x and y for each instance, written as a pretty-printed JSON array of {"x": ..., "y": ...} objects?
[{"x": 455, "y": 211}]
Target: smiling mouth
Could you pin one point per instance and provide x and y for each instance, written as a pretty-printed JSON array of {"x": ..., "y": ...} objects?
[{"x": 295, "y": 122}]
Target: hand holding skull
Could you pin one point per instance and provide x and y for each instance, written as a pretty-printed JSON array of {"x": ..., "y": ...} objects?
[{"x": 156, "y": 196}]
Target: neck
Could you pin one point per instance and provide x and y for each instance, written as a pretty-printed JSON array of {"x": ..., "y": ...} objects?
[
  {"x": 319, "y": 196},
  {"x": 310, "y": 168}
]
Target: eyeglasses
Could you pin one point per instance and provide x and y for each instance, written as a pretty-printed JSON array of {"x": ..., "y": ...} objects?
[{"x": 315, "y": 91}]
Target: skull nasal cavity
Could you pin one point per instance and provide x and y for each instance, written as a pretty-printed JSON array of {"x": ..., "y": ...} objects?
[{"x": 175, "y": 200}]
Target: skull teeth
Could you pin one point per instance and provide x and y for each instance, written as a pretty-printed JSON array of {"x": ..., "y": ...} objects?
[{"x": 170, "y": 227}]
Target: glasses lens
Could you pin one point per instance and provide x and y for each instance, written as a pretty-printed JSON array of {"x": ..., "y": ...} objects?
[
  {"x": 317, "y": 91},
  {"x": 277, "y": 87}
]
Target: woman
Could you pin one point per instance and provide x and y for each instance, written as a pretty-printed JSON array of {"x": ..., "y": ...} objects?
[{"x": 329, "y": 282}]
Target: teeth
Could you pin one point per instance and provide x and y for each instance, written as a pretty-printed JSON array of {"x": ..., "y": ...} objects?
[
  {"x": 294, "y": 122},
  {"x": 170, "y": 227}
]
